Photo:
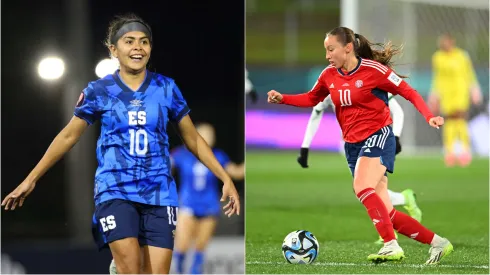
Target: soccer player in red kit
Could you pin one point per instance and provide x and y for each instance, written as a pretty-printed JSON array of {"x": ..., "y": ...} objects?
[{"x": 358, "y": 80}]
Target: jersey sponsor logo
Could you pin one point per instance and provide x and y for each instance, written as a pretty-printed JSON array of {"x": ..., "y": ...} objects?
[
  {"x": 393, "y": 78},
  {"x": 359, "y": 83},
  {"x": 136, "y": 102},
  {"x": 80, "y": 100},
  {"x": 331, "y": 86}
]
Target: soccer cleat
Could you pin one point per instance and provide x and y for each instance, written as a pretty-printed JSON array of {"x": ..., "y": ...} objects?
[
  {"x": 438, "y": 252},
  {"x": 391, "y": 251},
  {"x": 112, "y": 268},
  {"x": 411, "y": 205},
  {"x": 380, "y": 241}
]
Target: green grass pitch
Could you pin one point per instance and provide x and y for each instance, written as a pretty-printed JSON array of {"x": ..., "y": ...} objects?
[{"x": 282, "y": 197}]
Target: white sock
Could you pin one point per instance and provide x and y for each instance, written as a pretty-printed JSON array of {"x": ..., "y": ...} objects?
[
  {"x": 396, "y": 198},
  {"x": 392, "y": 242},
  {"x": 436, "y": 240}
]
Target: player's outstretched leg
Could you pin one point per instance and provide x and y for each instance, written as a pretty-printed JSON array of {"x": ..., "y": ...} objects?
[
  {"x": 439, "y": 250},
  {"x": 408, "y": 200},
  {"x": 380, "y": 240},
  {"x": 390, "y": 251},
  {"x": 396, "y": 198},
  {"x": 366, "y": 178},
  {"x": 411, "y": 205},
  {"x": 406, "y": 225}
]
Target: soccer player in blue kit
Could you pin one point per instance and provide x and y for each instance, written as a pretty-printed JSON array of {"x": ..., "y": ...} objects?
[
  {"x": 135, "y": 194},
  {"x": 199, "y": 206}
]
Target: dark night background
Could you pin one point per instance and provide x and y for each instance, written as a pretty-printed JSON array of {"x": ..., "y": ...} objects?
[{"x": 200, "y": 44}]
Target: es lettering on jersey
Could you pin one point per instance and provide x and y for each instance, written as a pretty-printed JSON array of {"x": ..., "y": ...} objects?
[{"x": 132, "y": 149}]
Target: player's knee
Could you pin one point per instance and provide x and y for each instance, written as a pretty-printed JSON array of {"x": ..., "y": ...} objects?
[
  {"x": 382, "y": 184},
  {"x": 359, "y": 184},
  {"x": 182, "y": 240},
  {"x": 201, "y": 243},
  {"x": 146, "y": 268},
  {"x": 128, "y": 264},
  {"x": 128, "y": 259}
]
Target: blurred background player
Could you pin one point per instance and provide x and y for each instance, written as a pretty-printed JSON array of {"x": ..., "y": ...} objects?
[
  {"x": 250, "y": 89},
  {"x": 454, "y": 85},
  {"x": 405, "y": 198},
  {"x": 199, "y": 206},
  {"x": 135, "y": 194},
  {"x": 365, "y": 120}
]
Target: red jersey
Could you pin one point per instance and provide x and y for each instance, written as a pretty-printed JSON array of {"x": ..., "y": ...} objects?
[{"x": 360, "y": 97}]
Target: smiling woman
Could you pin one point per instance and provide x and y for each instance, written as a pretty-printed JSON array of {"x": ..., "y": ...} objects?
[
  {"x": 135, "y": 194},
  {"x": 129, "y": 40}
]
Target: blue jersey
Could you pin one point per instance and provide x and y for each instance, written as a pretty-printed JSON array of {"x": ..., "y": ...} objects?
[
  {"x": 198, "y": 185},
  {"x": 132, "y": 149}
]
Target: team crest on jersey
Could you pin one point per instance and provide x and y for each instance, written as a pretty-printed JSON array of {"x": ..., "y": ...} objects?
[
  {"x": 80, "y": 100},
  {"x": 136, "y": 102},
  {"x": 359, "y": 83}
]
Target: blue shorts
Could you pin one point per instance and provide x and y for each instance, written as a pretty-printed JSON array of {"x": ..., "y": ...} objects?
[
  {"x": 118, "y": 219},
  {"x": 200, "y": 211},
  {"x": 380, "y": 144}
]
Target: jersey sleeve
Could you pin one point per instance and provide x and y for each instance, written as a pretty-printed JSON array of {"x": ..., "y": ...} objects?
[
  {"x": 392, "y": 83},
  {"x": 179, "y": 108},
  {"x": 87, "y": 107},
  {"x": 317, "y": 94}
]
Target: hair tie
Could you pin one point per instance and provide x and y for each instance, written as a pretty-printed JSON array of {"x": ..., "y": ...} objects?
[{"x": 356, "y": 36}]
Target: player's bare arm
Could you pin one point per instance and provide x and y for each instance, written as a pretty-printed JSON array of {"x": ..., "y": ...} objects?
[
  {"x": 61, "y": 144},
  {"x": 198, "y": 146},
  {"x": 236, "y": 171}
]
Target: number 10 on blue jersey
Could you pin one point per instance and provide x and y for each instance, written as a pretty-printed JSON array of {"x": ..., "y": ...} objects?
[{"x": 138, "y": 143}]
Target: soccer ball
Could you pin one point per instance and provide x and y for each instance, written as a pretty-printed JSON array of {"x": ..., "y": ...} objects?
[{"x": 300, "y": 247}]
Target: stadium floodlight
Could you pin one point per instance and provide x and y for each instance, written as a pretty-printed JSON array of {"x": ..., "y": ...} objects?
[
  {"x": 105, "y": 67},
  {"x": 51, "y": 68}
]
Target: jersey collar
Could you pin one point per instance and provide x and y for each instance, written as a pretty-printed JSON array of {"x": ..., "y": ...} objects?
[
  {"x": 125, "y": 87},
  {"x": 354, "y": 70}
]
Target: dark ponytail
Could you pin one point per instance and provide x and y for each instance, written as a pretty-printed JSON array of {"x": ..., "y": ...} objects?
[{"x": 380, "y": 52}]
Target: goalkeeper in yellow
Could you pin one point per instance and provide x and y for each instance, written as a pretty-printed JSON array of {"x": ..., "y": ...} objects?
[{"x": 454, "y": 84}]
